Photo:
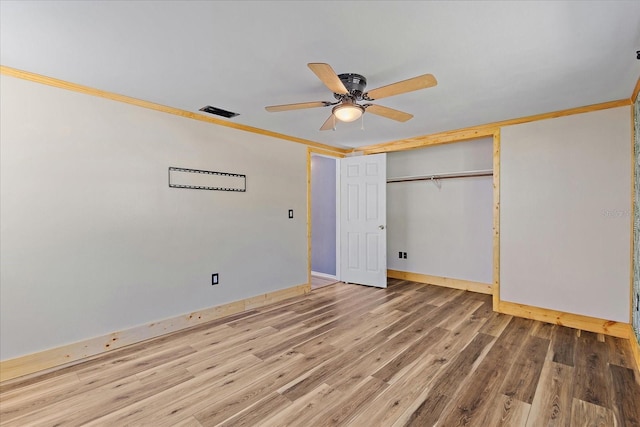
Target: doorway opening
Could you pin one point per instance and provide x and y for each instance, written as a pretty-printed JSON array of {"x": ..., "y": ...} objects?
[{"x": 324, "y": 221}]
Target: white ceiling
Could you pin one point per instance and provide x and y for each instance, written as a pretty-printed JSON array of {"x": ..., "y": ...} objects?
[{"x": 493, "y": 60}]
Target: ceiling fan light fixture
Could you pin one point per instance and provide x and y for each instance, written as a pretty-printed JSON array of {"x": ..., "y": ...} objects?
[{"x": 348, "y": 112}]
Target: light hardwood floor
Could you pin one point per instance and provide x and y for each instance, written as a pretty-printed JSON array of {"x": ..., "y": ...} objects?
[{"x": 412, "y": 354}]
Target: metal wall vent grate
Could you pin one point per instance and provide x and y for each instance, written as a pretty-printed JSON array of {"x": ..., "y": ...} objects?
[{"x": 219, "y": 111}]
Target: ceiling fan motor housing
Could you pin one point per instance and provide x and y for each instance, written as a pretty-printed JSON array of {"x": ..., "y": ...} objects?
[{"x": 354, "y": 83}]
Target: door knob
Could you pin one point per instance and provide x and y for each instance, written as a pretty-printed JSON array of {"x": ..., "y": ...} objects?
[{"x": 381, "y": 227}]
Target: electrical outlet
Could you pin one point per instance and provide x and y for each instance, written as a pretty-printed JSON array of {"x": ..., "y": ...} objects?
[
  {"x": 214, "y": 279},
  {"x": 404, "y": 255},
  {"x": 400, "y": 255},
  {"x": 290, "y": 213}
]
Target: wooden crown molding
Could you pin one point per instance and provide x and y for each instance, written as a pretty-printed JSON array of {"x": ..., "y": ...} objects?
[
  {"x": 457, "y": 135},
  {"x": 636, "y": 90},
  {"x": 481, "y": 131},
  {"x": 37, "y": 78}
]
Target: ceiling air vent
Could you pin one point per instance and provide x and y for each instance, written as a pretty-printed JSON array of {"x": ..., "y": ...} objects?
[{"x": 219, "y": 112}]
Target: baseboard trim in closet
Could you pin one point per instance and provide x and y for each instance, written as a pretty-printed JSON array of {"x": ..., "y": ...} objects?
[
  {"x": 73, "y": 353},
  {"x": 465, "y": 285},
  {"x": 576, "y": 321}
]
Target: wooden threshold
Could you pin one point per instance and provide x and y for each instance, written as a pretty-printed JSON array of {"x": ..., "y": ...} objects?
[{"x": 72, "y": 353}]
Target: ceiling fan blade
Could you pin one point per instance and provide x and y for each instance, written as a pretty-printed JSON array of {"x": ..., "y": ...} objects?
[
  {"x": 329, "y": 77},
  {"x": 389, "y": 113},
  {"x": 330, "y": 123},
  {"x": 299, "y": 106},
  {"x": 421, "y": 82}
]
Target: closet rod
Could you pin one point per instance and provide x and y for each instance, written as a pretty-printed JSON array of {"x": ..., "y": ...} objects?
[{"x": 486, "y": 172}]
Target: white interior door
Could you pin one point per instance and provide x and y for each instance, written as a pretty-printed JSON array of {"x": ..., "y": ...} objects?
[{"x": 363, "y": 216}]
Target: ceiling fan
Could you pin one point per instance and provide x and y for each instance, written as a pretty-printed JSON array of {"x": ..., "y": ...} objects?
[{"x": 348, "y": 89}]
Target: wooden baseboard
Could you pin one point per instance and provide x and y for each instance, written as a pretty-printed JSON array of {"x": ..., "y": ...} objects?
[
  {"x": 635, "y": 346},
  {"x": 324, "y": 275},
  {"x": 465, "y": 285},
  {"x": 64, "y": 355},
  {"x": 576, "y": 321}
]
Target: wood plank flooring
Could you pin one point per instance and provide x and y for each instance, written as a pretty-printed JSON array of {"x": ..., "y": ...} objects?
[{"x": 408, "y": 355}]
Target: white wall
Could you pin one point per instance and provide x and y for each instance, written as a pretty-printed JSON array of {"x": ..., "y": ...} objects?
[
  {"x": 445, "y": 231},
  {"x": 564, "y": 214},
  {"x": 94, "y": 241}
]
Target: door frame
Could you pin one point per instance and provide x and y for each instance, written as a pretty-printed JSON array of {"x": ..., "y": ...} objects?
[{"x": 337, "y": 156}]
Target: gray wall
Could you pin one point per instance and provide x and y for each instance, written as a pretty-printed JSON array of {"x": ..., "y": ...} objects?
[
  {"x": 92, "y": 239},
  {"x": 445, "y": 231},
  {"x": 323, "y": 215},
  {"x": 564, "y": 214}
]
